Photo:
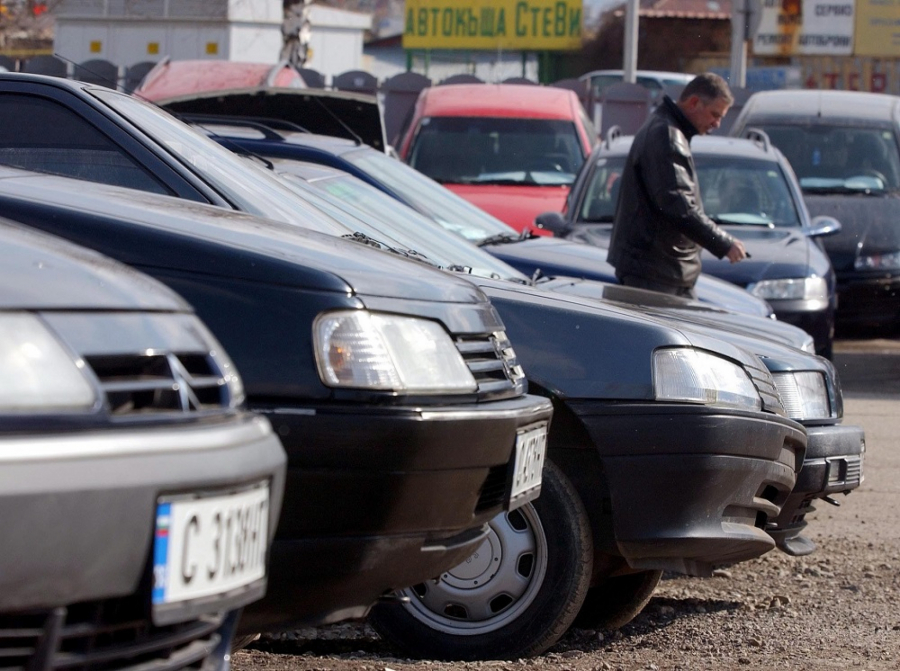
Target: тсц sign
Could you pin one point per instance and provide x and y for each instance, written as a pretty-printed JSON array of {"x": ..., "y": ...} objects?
[
  {"x": 524, "y": 25},
  {"x": 805, "y": 27}
]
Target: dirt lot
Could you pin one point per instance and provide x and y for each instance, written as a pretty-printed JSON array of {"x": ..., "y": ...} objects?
[{"x": 835, "y": 609}]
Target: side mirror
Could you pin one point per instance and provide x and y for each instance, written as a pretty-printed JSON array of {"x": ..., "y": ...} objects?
[
  {"x": 553, "y": 222},
  {"x": 823, "y": 225}
]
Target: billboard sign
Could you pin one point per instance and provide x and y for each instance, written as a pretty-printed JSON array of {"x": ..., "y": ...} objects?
[
  {"x": 878, "y": 28},
  {"x": 520, "y": 25},
  {"x": 805, "y": 27}
]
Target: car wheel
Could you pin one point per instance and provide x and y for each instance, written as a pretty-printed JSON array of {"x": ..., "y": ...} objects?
[
  {"x": 617, "y": 601},
  {"x": 514, "y": 597}
]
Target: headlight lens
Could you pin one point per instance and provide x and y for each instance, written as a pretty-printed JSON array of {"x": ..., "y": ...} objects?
[
  {"x": 806, "y": 289},
  {"x": 38, "y": 374},
  {"x": 889, "y": 261},
  {"x": 365, "y": 350},
  {"x": 693, "y": 376},
  {"x": 804, "y": 395}
]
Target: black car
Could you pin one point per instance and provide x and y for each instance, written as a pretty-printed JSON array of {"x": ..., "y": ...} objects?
[
  {"x": 126, "y": 451},
  {"x": 529, "y": 253},
  {"x": 844, "y": 147},
  {"x": 605, "y": 394},
  {"x": 749, "y": 189},
  {"x": 398, "y": 452}
]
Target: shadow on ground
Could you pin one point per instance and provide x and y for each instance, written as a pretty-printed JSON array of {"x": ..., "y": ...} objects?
[{"x": 869, "y": 368}]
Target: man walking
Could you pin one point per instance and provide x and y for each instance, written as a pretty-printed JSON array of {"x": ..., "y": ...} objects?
[{"x": 660, "y": 225}]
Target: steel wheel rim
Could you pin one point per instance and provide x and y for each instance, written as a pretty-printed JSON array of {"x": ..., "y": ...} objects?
[{"x": 493, "y": 586}]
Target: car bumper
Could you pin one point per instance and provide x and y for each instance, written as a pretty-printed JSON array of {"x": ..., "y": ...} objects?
[
  {"x": 868, "y": 302},
  {"x": 690, "y": 487},
  {"x": 78, "y": 512},
  {"x": 833, "y": 464},
  {"x": 378, "y": 499}
]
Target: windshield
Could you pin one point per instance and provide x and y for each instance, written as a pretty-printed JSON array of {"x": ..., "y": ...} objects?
[
  {"x": 250, "y": 187},
  {"x": 394, "y": 221},
  {"x": 491, "y": 150},
  {"x": 734, "y": 191},
  {"x": 453, "y": 212},
  {"x": 839, "y": 157}
]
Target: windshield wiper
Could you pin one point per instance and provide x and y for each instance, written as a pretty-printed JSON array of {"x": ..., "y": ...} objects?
[
  {"x": 364, "y": 239},
  {"x": 731, "y": 222},
  {"x": 842, "y": 190}
]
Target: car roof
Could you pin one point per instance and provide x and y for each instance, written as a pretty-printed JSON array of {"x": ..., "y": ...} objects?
[
  {"x": 499, "y": 100},
  {"x": 822, "y": 105},
  {"x": 656, "y": 74},
  {"x": 707, "y": 145}
]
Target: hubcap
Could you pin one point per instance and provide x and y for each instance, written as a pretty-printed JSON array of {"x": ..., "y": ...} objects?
[{"x": 493, "y": 586}]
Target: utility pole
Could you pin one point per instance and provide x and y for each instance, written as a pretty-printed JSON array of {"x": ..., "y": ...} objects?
[
  {"x": 629, "y": 67},
  {"x": 745, "y": 18}
]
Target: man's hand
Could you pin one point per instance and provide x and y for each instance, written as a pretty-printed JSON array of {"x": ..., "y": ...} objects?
[{"x": 737, "y": 252}]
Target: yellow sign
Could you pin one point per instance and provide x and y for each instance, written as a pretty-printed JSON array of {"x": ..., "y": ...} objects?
[
  {"x": 95, "y": 47},
  {"x": 519, "y": 25},
  {"x": 878, "y": 28}
]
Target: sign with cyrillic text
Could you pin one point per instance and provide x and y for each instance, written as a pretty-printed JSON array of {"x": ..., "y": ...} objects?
[
  {"x": 878, "y": 28},
  {"x": 805, "y": 27},
  {"x": 521, "y": 25}
]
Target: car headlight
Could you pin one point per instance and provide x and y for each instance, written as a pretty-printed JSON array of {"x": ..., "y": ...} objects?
[
  {"x": 693, "y": 376},
  {"x": 806, "y": 289},
  {"x": 804, "y": 395},
  {"x": 366, "y": 350},
  {"x": 38, "y": 374},
  {"x": 890, "y": 261}
]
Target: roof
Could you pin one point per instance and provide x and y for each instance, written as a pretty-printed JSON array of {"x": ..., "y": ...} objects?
[
  {"x": 707, "y": 145},
  {"x": 684, "y": 9},
  {"x": 499, "y": 100},
  {"x": 822, "y": 105}
]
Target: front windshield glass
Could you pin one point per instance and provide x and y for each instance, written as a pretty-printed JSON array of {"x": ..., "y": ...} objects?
[
  {"x": 734, "y": 191},
  {"x": 839, "y": 157},
  {"x": 395, "y": 221},
  {"x": 492, "y": 150},
  {"x": 250, "y": 187},
  {"x": 453, "y": 212}
]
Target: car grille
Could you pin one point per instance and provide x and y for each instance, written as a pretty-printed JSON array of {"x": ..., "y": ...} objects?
[
  {"x": 768, "y": 391},
  {"x": 105, "y": 635},
  {"x": 160, "y": 383},
  {"x": 494, "y": 365}
]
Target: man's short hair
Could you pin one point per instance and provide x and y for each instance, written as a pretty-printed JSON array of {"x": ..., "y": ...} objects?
[{"x": 708, "y": 87}]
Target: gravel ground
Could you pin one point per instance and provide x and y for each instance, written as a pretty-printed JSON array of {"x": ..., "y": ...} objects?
[{"x": 834, "y": 609}]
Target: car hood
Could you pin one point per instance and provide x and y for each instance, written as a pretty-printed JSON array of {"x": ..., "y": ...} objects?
[
  {"x": 151, "y": 231},
  {"x": 576, "y": 347},
  {"x": 868, "y": 225},
  {"x": 43, "y": 272},
  {"x": 349, "y": 115},
  {"x": 514, "y": 205},
  {"x": 774, "y": 254}
]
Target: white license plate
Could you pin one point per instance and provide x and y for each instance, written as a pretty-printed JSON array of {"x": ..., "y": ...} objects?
[
  {"x": 210, "y": 545},
  {"x": 531, "y": 446}
]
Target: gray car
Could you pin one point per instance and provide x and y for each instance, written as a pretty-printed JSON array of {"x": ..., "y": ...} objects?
[
  {"x": 844, "y": 147},
  {"x": 138, "y": 498}
]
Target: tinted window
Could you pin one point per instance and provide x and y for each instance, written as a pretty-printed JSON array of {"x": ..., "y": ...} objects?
[
  {"x": 825, "y": 156},
  {"x": 497, "y": 150},
  {"x": 737, "y": 191},
  {"x": 44, "y": 136}
]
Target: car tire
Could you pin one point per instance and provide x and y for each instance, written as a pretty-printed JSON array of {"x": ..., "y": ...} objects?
[
  {"x": 514, "y": 597},
  {"x": 617, "y": 601}
]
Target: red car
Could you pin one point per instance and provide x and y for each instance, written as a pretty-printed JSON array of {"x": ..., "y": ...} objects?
[{"x": 511, "y": 149}]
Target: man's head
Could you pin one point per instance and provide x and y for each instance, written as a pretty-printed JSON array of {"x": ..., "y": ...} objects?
[{"x": 705, "y": 101}]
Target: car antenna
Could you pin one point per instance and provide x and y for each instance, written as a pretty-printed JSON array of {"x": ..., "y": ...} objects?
[{"x": 343, "y": 124}]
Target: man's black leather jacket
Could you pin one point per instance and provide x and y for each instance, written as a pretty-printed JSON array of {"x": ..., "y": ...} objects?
[{"x": 660, "y": 225}]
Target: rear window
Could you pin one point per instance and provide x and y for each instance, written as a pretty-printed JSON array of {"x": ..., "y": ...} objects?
[{"x": 467, "y": 150}]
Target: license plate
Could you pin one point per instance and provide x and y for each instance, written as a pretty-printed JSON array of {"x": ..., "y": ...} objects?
[
  {"x": 209, "y": 545},
  {"x": 531, "y": 446}
]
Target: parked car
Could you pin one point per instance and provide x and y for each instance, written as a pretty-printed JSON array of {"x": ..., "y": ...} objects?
[
  {"x": 652, "y": 80},
  {"x": 511, "y": 149},
  {"x": 808, "y": 385},
  {"x": 606, "y": 391},
  {"x": 845, "y": 148},
  {"x": 749, "y": 189},
  {"x": 530, "y": 254},
  {"x": 127, "y": 451},
  {"x": 344, "y": 348}
]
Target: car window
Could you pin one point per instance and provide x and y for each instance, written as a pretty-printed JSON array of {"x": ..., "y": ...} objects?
[
  {"x": 250, "y": 187},
  {"x": 42, "y": 135},
  {"x": 451, "y": 211},
  {"x": 830, "y": 156},
  {"x": 599, "y": 202},
  {"x": 743, "y": 191},
  {"x": 491, "y": 150}
]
